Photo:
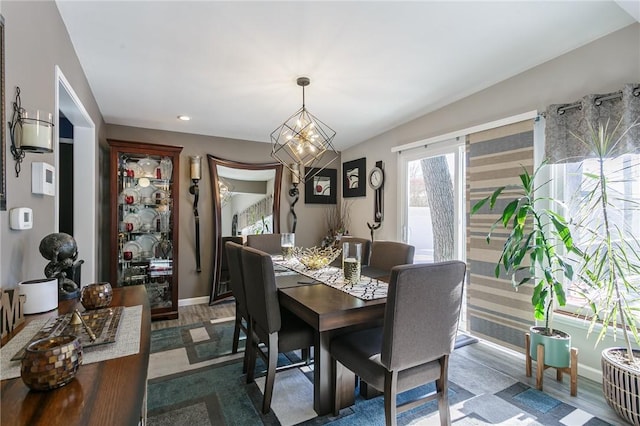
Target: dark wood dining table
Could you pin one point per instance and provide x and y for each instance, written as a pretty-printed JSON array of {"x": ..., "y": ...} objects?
[
  {"x": 111, "y": 392},
  {"x": 329, "y": 311}
]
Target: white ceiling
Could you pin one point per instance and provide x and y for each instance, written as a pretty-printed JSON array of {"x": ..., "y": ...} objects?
[{"x": 232, "y": 66}]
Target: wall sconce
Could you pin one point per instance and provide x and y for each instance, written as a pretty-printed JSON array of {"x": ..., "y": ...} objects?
[
  {"x": 29, "y": 132},
  {"x": 195, "y": 168},
  {"x": 294, "y": 192}
]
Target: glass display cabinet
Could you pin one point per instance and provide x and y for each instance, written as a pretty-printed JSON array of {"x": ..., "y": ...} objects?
[{"x": 144, "y": 221}]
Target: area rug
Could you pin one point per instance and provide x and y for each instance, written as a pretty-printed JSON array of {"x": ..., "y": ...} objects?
[{"x": 195, "y": 380}]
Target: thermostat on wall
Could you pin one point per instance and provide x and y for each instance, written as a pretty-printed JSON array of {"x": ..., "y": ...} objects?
[
  {"x": 21, "y": 218},
  {"x": 43, "y": 178}
]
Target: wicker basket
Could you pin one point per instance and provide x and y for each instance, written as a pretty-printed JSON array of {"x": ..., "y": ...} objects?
[{"x": 620, "y": 385}]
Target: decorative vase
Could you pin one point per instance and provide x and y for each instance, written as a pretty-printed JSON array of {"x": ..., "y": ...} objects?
[
  {"x": 97, "y": 295},
  {"x": 557, "y": 347},
  {"x": 50, "y": 363},
  {"x": 621, "y": 384}
]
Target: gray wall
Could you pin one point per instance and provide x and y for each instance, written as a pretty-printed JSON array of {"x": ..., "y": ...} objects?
[
  {"x": 311, "y": 218},
  {"x": 598, "y": 67},
  {"x": 36, "y": 40}
]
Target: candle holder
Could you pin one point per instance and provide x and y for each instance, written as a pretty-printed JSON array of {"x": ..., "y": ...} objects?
[
  {"x": 29, "y": 132},
  {"x": 194, "y": 190},
  {"x": 294, "y": 193}
]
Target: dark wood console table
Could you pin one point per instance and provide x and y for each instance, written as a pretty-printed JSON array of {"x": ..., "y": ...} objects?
[{"x": 110, "y": 392}]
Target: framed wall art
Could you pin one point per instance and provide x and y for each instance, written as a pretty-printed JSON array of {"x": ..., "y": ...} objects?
[
  {"x": 322, "y": 187},
  {"x": 354, "y": 178}
]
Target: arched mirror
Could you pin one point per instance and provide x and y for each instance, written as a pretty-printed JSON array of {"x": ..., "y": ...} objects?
[{"x": 246, "y": 200}]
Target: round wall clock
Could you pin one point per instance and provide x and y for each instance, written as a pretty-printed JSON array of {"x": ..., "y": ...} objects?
[{"x": 376, "y": 178}]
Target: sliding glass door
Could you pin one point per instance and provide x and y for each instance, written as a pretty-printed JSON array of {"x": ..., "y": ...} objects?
[{"x": 432, "y": 200}]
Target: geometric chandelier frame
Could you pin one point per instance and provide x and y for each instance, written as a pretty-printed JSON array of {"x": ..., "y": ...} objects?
[{"x": 303, "y": 139}]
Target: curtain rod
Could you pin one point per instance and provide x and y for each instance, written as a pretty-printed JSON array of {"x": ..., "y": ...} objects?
[{"x": 597, "y": 101}]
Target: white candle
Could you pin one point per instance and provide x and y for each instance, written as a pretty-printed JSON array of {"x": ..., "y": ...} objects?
[
  {"x": 36, "y": 134},
  {"x": 195, "y": 167},
  {"x": 295, "y": 173}
]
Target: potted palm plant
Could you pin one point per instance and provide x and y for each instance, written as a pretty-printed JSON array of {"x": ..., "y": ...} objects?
[
  {"x": 609, "y": 274},
  {"x": 530, "y": 255}
]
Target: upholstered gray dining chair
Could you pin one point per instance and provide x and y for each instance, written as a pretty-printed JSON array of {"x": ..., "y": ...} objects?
[
  {"x": 412, "y": 347},
  {"x": 277, "y": 328},
  {"x": 236, "y": 282},
  {"x": 387, "y": 254},
  {"x": 268, "y": 243},
  {"x": 224, "y": 264}
]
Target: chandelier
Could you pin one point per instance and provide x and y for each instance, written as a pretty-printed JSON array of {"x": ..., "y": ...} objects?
[
  {"x": 226, "y": 191},
  {"x": 303, "y": 140}
]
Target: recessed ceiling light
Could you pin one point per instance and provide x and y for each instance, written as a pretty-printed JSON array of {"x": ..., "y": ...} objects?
[{"x": 184, "y": 117}]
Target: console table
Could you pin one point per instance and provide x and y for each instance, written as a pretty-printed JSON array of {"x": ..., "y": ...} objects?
[{"x": 110, "y": 392}]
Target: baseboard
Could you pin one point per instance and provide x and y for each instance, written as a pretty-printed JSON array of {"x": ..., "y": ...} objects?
[{"x": 193, "y": 301}]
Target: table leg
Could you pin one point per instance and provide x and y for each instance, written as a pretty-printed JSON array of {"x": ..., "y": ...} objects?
[{"x": 323, "y": 392}]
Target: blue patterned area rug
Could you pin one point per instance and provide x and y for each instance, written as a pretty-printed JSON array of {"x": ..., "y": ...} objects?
[{"x": 195, "y": 380}]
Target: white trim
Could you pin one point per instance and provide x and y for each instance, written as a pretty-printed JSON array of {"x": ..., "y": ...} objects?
[
  {"x": 468, "y": 130},
  {"x": 193, "y": 301},
  {"x": 85, "y": 168}
]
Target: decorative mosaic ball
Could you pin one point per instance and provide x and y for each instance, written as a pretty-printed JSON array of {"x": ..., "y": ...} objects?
[
  {"x": 97, "y": 295},
  {"x": 51, "y": 362}
]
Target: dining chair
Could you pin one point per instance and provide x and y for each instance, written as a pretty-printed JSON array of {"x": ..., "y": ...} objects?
[
  {"x": 224, "y": 264},
  {"x": 236, "y": 282},
  {"x": 387, "y": 254},
  {"x": 277, "y": 328},
  {"x": 413, "y": 345},
  {"x": 268, "y": 243}
]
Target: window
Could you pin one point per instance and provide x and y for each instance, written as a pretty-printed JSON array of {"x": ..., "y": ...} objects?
[{"x": 572, "y": 182}]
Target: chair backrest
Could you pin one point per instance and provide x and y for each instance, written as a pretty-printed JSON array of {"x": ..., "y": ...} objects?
[
  {"x": 421, "y": 314},
  {"x": 224, "y": 264},
  {"x": 236, "y": 278},
  {"x": 366, "y": 246},
  {"x": 387, "y": 254},
  {"x": 262, "y": 293},
  {"x": 268, "y": 243}
]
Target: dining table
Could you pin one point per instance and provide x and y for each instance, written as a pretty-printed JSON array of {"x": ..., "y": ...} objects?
[{"x": 331, "y": 311}]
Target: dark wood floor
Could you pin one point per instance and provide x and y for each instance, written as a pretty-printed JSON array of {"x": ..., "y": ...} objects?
[{"x": 504, "y": 362}]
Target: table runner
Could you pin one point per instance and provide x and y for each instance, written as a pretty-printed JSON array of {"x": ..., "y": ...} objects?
[
  {"x": 367, "y": 289},
  {"x": 127, "y": 343}
]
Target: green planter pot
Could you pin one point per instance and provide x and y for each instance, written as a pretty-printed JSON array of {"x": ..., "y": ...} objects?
[{"x": 557, "y": 348}]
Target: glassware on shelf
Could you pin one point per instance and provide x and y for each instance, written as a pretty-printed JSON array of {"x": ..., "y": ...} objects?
[
  {"x": 129, "y": 196},
  {"x": 148, "y": 166},
  {"x": 166, "y": 168},
  {"x": 165, "y": 219}
]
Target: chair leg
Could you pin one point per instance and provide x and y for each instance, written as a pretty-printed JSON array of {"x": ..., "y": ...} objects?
[
  {"x": 442, "y": 388},
  {"x": 272, "y": 353},
  {"x": 252, "y": 348},
  {"x": 236, "y": 331},
  {"x": 390, "y": 393},
  {"x": 247, "y": 347}
]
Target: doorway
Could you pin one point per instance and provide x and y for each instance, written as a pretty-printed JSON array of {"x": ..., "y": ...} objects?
[
  {"x": 84, "y": 167},
  {"x": 432, "y": 200},
  {"x": 432, "y": 204}
]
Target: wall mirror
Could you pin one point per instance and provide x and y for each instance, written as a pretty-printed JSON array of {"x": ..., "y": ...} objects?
[{"x": 246, "y": 200}]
